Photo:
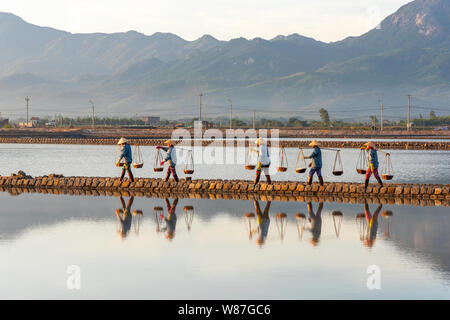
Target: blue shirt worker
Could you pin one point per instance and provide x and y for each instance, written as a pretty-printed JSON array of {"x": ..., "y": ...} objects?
[
  {"x": 316, "y": 163},
  {"x": 126, "y": 155},
  {"x": 171, "y": 159}
]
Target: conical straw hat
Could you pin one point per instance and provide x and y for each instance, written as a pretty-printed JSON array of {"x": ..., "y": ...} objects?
[
  {"x": 260, "y": 141},
  {"x": 122, "y": 141},
  {"x": 314, "y": 143},
  {"x": 370, "y": 144}
]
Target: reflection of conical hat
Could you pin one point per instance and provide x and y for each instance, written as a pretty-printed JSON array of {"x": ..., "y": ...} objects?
[
  {"x": 314, "y": 143},
  {"x": 122, "y": 141},
  {"x": 370, "y": 144},
  {"x": 168, "y": 142}
]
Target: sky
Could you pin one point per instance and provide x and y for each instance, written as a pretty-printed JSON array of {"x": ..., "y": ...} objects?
[{"x": 325, "y": 20}]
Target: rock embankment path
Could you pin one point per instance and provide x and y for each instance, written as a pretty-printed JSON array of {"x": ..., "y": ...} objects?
[
  {"x": 387, "y": 145},
  {"x": 415, "y": 194}
]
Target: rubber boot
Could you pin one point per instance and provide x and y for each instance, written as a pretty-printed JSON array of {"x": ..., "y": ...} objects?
[
  {"x": 366, "y": 184},
  {"x": 309, "y": 180},
  {"x": 269, "y": 181},
  {"x": 321, "y": 180}
]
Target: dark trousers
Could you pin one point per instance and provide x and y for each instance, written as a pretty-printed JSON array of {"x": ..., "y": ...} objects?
[
  {"x": 126, "y": 167},
  {"x": 171, "y": 171}
]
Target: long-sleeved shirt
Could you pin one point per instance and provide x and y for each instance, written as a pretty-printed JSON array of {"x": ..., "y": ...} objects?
[
  {"x": 373, "y": 158},
  {"x": 171, "y": 155},
  {"x": 316, "y": 157},
  {"x": 126, "y": 153},
  {"x": 264, "y": 156}
]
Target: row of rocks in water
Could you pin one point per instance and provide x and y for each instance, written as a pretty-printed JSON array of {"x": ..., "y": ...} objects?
[
  {"x": 371, "y": 199},
  {"x": 404, "y": 145},
  {"x": 415, "y": 192}
]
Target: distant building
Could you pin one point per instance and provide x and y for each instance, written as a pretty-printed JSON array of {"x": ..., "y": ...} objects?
[
  {"x": 34, "y": 121},
  {"x": 151, "y": 121}
]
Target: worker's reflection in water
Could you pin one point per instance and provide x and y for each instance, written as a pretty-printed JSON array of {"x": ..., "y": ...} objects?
[
  {"x": 316, "y": 222},
  {"x": 124, "y": 217},
  {"x": 372, "y": 224},
  {"x": 171, "y": 220},
  {"x": 263, "y": 222}
]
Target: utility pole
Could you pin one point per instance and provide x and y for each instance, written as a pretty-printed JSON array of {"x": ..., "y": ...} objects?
[
  {"x": 254, "y": 118},
  {"x": 93, "y": 118},
  {"x": 381, "y": 115},
  {"x": 200, "y": 116},
  {"x": 27, "y": 99},
  {"x": 231, "y": 114},
  {"x": 408, "y": 124}
]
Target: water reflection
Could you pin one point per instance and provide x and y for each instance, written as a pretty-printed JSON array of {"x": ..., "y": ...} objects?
[
  {"x": 263, "y": 222},
  {"x": 167, "y": 223},
  {"x": 188, "y": 216},
  {"x": 387, "y": 216},
  {"x": 301, "y": 223},
  {"x": 124, "y": 218},
  {"x": 368, "y": 225},
  {"x": 337, "y": 222},
  {"x": 315, "y": 219},
  {"x": 318, "y": 239}
]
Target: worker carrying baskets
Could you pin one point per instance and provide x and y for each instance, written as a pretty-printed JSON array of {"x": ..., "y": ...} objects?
[
  {"x": 373, "y": 163},
  {"x": 316, "y": 163},
  {"x": 263, "y": 160},
  {"x": 171, "y": 158},
  {"x": 126, "y": 156}
]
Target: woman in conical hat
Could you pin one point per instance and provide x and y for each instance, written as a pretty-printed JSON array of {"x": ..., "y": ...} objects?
[
  {"x": 125, "y": 153},
  {"x": 263, "y": 161},
  {"x": 316, "y": 163},
  {"x": 171, "y": 158},
  {"x": 373, "y": 163}
]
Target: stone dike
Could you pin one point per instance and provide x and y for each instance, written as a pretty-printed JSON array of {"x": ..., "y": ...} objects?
[
  {"x": 414, "y": 194},
  {"x": 387, "y": 145}
]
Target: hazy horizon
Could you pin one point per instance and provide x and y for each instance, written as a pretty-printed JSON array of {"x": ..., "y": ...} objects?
[{"x": 323, "y": 20}]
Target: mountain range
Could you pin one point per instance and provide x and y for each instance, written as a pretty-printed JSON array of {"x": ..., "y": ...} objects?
[{"x": 163, "y": 74}]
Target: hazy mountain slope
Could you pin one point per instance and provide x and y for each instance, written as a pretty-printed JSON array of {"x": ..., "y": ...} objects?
[{"x": 57, "y": 54}]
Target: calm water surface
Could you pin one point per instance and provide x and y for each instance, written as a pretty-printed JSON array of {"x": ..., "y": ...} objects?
[
  {"x": 410, "y": 166},
  {"x": 212, "y": 251}
]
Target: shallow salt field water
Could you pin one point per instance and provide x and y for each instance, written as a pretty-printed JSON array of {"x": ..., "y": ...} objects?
[
  {"x": 215, "y": 253},
  {"x": 410, "y": 166}
]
